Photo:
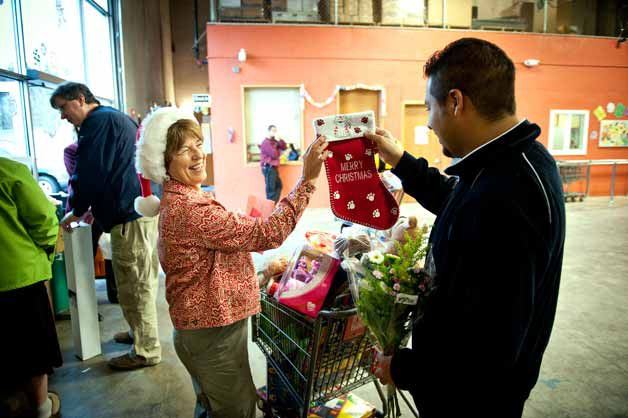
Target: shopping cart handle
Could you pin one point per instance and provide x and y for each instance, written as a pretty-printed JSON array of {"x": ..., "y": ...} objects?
[{"x": 339, "y": 314}]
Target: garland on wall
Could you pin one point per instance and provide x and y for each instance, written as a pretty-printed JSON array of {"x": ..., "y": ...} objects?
[{"x": 305, "y": 96}]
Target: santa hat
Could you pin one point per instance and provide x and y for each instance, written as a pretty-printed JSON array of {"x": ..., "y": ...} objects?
[{"x": 149, "y": 159}]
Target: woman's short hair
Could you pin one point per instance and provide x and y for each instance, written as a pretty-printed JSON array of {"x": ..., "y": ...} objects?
[{"x": 178, "y": 132}]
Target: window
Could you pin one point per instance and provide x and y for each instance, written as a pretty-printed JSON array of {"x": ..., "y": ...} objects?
[
  {"x": 13, "y": 139},
  {"x": 568, "y": 132},
  {"x": 53, "y": 37},
  {"x": 51, "y": 136},
  {"x": 264, "y": 106},
  {"x": 8, "y": 52},
  {"x": 103, "y": 4},
  {"x": 99, "y": 64}
]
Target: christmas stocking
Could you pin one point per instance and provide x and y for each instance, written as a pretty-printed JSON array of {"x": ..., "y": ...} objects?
[
  {"x": 356, "y": 192},
  {"x": 147, "y": 204}
]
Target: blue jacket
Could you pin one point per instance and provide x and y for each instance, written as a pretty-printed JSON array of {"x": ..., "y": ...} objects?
[
  {"x": 496, "y": 256},
  {"x": 105, "y": 177}
]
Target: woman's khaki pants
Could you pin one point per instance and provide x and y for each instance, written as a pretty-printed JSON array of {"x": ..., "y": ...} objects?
[{"x": 218, "y": 361}]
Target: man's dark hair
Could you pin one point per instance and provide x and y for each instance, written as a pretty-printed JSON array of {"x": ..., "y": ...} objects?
[
  {"x": 480, "y": 70},
  {"x": 271, "y": 127},
  {"x": 72, "y": 91}
]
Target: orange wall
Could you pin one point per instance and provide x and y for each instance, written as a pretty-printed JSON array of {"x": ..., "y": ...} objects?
[{"x": 575, "y": 73}]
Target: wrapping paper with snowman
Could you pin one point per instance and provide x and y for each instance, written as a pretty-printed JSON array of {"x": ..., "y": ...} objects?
[
  {"x": 356, "y": 192},
  {"x": 306, "y": 282}
]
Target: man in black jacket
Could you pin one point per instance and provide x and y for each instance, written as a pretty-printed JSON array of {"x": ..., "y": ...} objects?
[
  {"x": 105, "y": 180},
  {"x": 496, "y": 246}
]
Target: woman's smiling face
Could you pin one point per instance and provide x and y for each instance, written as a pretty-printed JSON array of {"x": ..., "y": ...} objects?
[{"x": 188, "y": 163}]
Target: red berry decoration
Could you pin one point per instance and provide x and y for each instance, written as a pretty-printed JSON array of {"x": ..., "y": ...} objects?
[
  {"x": 357, "y": 130},
  {"x": 365, "y": 119},
  {"x": 320, "y": 122}
]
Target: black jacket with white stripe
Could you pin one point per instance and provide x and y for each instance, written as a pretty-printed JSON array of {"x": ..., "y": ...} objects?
[{"x": 497, "y": 249}]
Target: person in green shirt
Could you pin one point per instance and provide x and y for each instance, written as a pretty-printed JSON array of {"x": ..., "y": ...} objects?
[{"x": 28, "y": 233}]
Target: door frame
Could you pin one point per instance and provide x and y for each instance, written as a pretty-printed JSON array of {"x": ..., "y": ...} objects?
[
  {"x": 405, "y": 103},
  {"x": 379, "y": 110}
]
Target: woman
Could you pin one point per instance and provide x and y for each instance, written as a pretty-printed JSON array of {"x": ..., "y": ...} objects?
[
  {"x": 211, "y": 285},
  {"x": 30, "y": 349}
]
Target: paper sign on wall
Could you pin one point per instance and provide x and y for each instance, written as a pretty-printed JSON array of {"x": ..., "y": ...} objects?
[
  {"x": 610, "y": 107},
  {"x": 619, "y": 110},
  {"x": 202, "y": 99},
  {"x": 599, "y": 113},
  {"x": 421, "y": 135}
]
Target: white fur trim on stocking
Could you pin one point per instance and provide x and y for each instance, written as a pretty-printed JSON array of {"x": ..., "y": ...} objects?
[
  {"x": 151, "y": 147},
  {"x": 147, "y": 206}
]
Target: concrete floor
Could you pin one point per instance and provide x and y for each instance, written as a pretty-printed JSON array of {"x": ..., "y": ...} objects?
[{"x": 584, "y": 373}]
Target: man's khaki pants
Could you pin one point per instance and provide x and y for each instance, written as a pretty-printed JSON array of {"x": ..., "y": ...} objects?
[
  {"x": 136, "y": 267},
  {"x": 218, "y": 361}
]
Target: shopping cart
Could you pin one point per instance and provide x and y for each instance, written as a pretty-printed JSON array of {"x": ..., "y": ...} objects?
[
  {"x": 572, "y": 172},
  {"x": 311, "y": 361}
]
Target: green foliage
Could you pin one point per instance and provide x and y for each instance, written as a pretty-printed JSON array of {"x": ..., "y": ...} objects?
[{"x": 388, "y": 275}]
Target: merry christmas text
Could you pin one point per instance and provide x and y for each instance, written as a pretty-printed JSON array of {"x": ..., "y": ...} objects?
[{"x": 356, "y": 172}]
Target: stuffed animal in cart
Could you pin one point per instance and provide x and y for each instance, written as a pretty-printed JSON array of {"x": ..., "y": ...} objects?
[
  {"x": 398, "y": 233},
  {"x": 353, "y": 241},
  {"x": 275, "y": 267}
]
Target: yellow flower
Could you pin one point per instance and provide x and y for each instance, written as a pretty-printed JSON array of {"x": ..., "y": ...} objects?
[{"x": 376, "y": 257}]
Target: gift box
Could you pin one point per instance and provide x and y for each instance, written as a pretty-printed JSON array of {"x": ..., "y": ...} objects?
[{"x": 307, "y": 280}]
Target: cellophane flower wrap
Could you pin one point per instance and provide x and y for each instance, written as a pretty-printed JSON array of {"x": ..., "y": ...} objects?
[{"x": 389, "y": 292}]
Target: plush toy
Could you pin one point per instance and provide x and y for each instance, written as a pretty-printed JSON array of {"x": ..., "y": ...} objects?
[
  {"x": 399, "y": 231},
  {"x": 353, "y": 241},
  {"x": 274, "y": 268}
]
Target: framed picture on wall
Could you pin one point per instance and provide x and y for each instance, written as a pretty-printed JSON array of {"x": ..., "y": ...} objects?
[
  {"x": 279, "y": 106},
  {"x": 614, "y": 133}
]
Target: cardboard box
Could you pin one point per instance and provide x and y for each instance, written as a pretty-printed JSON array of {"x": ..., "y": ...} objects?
[
  {"x": 230, "y": 12},
  {"x": 253, "y": 3},
  {"x": 279, "y": 5},
  {"x": 289, "y": 16},
  {"x": 395, "y": 13},
  {"x": 305, "y": 6},
  {"x": 458, "y": 13},
  {"x": 255, "y": 12},
  {"x": 354, "y": 11}
]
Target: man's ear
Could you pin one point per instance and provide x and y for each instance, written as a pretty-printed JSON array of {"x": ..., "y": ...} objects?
[
  {"x": 456, "y": 100},
  {"x": 81, "y": 99}
]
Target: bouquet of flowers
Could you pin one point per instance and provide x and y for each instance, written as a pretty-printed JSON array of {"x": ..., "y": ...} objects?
[{"x": 389, "y": 291}]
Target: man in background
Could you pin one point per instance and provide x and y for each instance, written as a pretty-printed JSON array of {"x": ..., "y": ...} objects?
[
  {"x": 105, "y": 180},
  {"x": 271, "y": 150}
]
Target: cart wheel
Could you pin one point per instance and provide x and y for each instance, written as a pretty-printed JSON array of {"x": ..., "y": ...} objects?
[{"x": 582, "y": 198}]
